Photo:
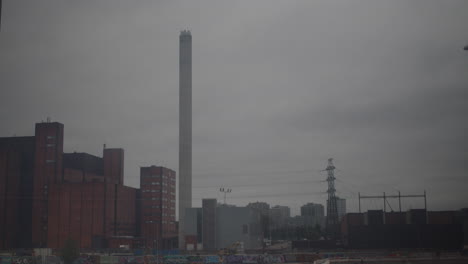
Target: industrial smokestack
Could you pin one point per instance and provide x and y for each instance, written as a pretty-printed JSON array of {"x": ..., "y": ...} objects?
[{"x": 185, "y": 130}]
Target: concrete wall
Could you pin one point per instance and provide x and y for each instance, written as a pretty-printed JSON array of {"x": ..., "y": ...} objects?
[
  {"x": 191, "y": 223},
  {"x": 237, "y": 224},
  {"x": 209, "y": 223},
  {"x": 193, "y": 227}
]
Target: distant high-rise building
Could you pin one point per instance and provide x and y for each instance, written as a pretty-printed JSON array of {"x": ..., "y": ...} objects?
[
  {"x": 185, "y": 129},
  {"x": 262, "y": 207},
  {"x": 279, "y": 216},
  {"x": 263, "y": 211},
  {"x": 313, "y": 214},
  {"x": 341, "y": 206}
]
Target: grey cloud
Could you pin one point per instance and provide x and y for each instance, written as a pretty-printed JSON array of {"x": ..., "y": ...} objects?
[{"x": 278, "y": 86}]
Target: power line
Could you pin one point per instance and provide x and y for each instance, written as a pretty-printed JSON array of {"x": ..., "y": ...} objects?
[
  {"x": 265, "y": 184},
  {"x": 278, "y": 195},
  {"x": 399, "y": 196},
  {"x": 102, "y": 198},
  {"x": 260, "y": 173}
]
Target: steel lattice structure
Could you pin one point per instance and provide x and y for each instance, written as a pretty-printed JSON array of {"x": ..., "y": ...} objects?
[{"x": 332, "y": 210}]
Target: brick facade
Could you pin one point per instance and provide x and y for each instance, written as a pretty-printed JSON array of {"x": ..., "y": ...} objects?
[{"x": 47, "y": 196}]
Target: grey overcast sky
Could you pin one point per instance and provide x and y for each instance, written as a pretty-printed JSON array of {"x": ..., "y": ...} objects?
[{"x": 278, "y": 88}]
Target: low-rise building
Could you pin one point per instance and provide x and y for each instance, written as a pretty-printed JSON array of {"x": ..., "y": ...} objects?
[{"x": 221, "y": 226}]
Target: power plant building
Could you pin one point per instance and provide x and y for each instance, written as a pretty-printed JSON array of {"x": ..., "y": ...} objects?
[{"x": 47, "y": 196}]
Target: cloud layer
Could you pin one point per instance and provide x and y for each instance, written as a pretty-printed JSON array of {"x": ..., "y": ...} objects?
[{"x": 278, "y": 88}]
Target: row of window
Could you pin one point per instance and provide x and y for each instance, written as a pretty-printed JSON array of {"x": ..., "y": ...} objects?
[
  {"x": 158, "y": 183},
  {"x": 151, "y": 176},
  {"x": 155, "y": 222},
  {"x": 167, "y": 177},
  {"x": 149, "y": 191},
  {"x": 163, "y": 207},
  {"x": 158, "y": 191},
  {"x": 151, "y": 214},
  {"x": 159, "y": 176},
  {"x": 164, "y": 199},
  {"x": 157, "y": 214}
]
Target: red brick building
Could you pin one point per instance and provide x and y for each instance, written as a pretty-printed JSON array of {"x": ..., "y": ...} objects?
[
  {"x": 158, "y": 228},
  {"x": 48, "y": 156},
  {"x": 47, "y": 196}
]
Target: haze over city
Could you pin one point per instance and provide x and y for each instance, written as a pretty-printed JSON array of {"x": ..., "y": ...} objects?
[{"x": 278, "y": 88}]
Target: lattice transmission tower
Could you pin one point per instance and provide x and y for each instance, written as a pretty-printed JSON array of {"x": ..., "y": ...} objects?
[{"x": 332, "y": 209}]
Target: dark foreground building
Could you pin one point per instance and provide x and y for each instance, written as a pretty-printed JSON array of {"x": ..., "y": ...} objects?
[
  {"x": 47, "y": 196},
  {"x": 412, "y": 229},
  {"x": 16, "y": 174}
]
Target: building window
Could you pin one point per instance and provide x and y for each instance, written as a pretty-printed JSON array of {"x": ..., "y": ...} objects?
[{"x": 245, "y": 229}]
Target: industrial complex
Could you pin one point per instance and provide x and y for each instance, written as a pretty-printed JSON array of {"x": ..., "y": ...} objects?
[{"x": 48, "y": 196}]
